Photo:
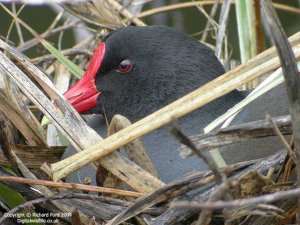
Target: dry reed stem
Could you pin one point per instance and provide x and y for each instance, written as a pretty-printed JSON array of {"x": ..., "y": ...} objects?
[{"x": 71, "y": 186}]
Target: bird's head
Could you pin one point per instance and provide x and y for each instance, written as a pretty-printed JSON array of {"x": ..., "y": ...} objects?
[{"x": 137, "y": 70}]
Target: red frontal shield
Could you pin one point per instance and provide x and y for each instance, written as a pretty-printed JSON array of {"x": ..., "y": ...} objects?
[{"x": 83, "y": 95}]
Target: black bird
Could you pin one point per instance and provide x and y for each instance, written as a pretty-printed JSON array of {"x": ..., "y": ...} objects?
[{"x": 138, "y": 70}]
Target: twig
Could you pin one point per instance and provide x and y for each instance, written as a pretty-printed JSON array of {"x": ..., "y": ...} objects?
[
  {"x": 19, "y": 31},
  {"x": 59, "y": 41},
  {"x": 126, "y": 13},
  {"x": 291, "y": 76},
  {"x": 209, "y": 21},
  {"x": 222, "y": 190},
  {"x": 261, "y": 212},
  {"x": 12, "y": 23},
  {"x": 179, "y": 6},
  {"x": 172, "y": 7},
  {"x": 31, "y": 43},
  {"x": 186, "y": 141},
  {"x": 221, "y": 179},
  {"x": 222, "y": 27},
  {"x": 72, "y": 186},
  {"x": 281, "y": 137},
  {"x": 56, "y": 20},
  {"x": 66, "y": 52},
  {"x": 238, "y": 203},
  {"x": 212, "y": 22}
]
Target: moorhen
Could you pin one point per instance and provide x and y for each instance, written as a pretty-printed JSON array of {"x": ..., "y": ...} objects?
[{"x": 138, "y": 70}]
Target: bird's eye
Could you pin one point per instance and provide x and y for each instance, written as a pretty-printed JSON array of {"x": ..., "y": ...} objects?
[{"x": 124, "y": 66}]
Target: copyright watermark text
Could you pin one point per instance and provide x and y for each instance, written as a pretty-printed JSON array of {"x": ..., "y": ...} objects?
[{"x": 33, "y": 217}]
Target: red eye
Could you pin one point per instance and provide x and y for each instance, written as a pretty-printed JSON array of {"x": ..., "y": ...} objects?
[{"x": 124, "y": 66}]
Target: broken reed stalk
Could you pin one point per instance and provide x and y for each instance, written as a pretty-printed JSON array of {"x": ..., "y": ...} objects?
[
  {"x": 210, "y": 20},
  {"x": 291, "y": 76},
  {"x": 135, "y": 150},
  {"x": 259, "y": 65},
  {"x": 237, "y": 133},
  {"x": 20, "y": 122},
  {"x": 281, "y": 137}
]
